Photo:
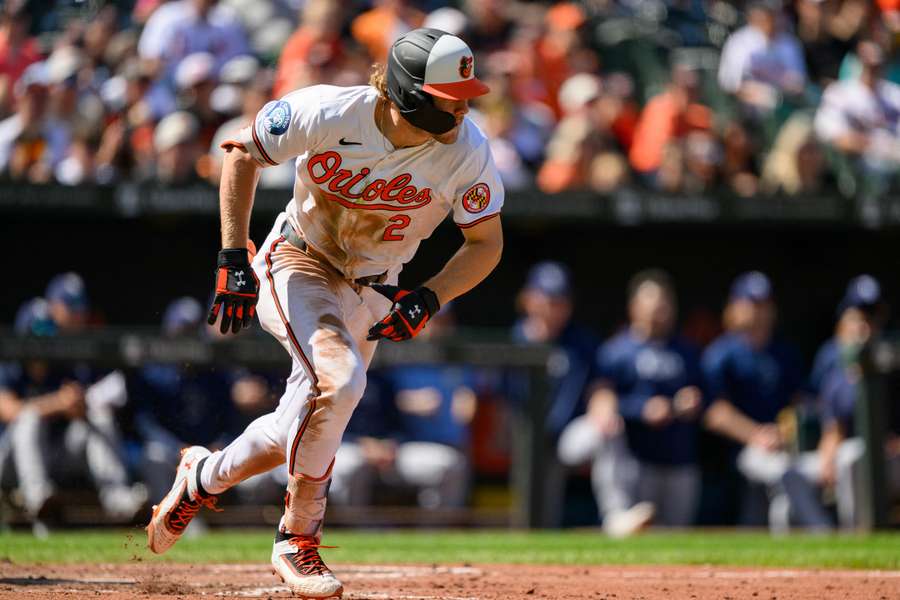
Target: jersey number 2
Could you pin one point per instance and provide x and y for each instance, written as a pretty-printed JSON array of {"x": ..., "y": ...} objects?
[{"x": 398, "y": 222}]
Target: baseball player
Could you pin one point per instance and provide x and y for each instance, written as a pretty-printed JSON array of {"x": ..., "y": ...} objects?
[
  {"x": 639, "y": 428},
  {"x": 751, "y": 375},
  {"x": 378, "y": 168}
]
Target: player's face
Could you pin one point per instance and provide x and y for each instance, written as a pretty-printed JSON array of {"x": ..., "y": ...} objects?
[
  {"x": 551, "y": 312},
  {"x": 653, "y": 310},
  {"x": 854, "y": 327},
  {"x": 457, "y": 108},
  {"x": 756, "y": 318}
]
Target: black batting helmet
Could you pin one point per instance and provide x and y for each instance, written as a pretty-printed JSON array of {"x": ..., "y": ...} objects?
[{"x": 430, "y": 62}]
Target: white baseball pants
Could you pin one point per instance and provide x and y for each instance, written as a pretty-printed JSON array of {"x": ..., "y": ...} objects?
[{"x": 322, "y": 320}]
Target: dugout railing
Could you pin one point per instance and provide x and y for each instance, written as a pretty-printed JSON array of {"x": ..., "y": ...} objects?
[
  {"x": 876, "y": 408},
  {"x": 131, "y": 349}
]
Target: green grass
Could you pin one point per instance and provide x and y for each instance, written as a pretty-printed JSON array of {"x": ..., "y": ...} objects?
[{"x": 880, "y": 551}]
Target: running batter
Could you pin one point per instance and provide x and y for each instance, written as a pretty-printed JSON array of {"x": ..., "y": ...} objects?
[{"x": 378, "y": 168}]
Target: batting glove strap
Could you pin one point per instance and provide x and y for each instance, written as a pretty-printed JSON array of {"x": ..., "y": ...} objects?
[
  {"x": 410, "y": 312},
  {"x": 233, "y": 257},
  {"x": 237, "y": 291}
]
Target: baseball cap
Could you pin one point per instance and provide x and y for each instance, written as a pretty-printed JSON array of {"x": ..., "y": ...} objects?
[
  {"x": 579, "y": 90},
  {"x": 175, "y": 129},
  {"x": 195, "y": 68},
  {"x": 33, "y": 318},
  {"x": 239, "y": 70},
  {"x": 550, "y": 278},
  {"x": 68, "y": 288},
  {"x": 182, "y": 314},
  {"x": 448, "y": 19},
  {"x": 64, "y": 64},
  {"x": 447, "y": 69},
  {"x": 35, "y": 75},
  {"x": 753, "y": 286},
  {"x": 863, "y": 292}
]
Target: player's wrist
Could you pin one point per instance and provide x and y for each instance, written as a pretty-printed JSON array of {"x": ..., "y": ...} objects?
[
  {"x": 430, "y": 298},
  {"x": 229, "y": 257}
]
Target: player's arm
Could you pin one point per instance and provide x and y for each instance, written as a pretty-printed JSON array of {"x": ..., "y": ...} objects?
[
  {"x": 475, "y": 259},
  {"x": 240, "y": 172},
  {"x": 68, "y": 400},
  {"x": 281, "y": 131},
  {"x": 832, "y": 437},
  {"x": 237, "y": 287},
  {"x": 724, "y": 418},
  {"x": 10, "y": 405}
]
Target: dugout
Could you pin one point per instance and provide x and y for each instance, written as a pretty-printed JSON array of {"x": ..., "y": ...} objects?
[{"x": 138, "y": 248}]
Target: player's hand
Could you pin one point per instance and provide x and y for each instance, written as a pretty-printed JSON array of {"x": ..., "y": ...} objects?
[
  {"x": 71, "y": 400},
  {"x": 603, "y": 412},
  {"x": 410, "y": 312},
  {"x": 657, "y": 411},
  {"x": 237, "y": 290},
  {"x": 766, "y": 437},
  {"x": 687, "y": 403},
  {"x": 828, "y": 473}
]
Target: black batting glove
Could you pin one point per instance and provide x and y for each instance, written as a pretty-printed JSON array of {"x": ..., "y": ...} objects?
[
  {"x": 237, "y": 291},
  {"x": 408, "y": 316}
]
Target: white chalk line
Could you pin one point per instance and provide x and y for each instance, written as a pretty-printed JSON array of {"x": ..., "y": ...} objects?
[
  {"x": 268, "y": 591},
  {"x": 605, "y": 573}
]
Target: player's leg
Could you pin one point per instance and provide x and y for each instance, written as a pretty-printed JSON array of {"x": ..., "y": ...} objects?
[
  {"x": 29, "y": 457},
  {"x": 848, "y": 478},
  {"x": 679, "y": 493},
  {"x": 202, "y": 475},
  {"x": 614, "y": 475},
  {"x": 326, "y": 321}
]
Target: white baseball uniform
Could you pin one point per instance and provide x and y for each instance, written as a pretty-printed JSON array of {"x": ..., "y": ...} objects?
[{"x": 362, "y": 207}]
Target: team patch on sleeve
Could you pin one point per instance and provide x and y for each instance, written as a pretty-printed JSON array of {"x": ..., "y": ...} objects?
[
  {"x": 277, "y": 117},
  {"x": 477, "y": 198}
]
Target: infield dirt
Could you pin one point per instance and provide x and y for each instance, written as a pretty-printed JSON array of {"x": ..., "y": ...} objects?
[{"x": 157, "y": 580}]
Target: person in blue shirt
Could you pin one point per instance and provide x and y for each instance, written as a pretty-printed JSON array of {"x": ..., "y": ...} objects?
[
  {"x": 546, "y": 305},
  {"x": 862, "y": 299},
  {"x": 412, "y": 429},
  {"x": 751, "y": 375},
  {"x": 640, "y": 427},
  {"x": 60, "y": 422},
  {"x": 837, "y": 462}
]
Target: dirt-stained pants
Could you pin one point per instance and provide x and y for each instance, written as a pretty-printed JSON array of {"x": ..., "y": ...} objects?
[{"x": 322, "y": 320}]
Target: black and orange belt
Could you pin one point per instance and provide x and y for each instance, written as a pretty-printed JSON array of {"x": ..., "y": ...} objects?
[{"x": 296, "y": 240}]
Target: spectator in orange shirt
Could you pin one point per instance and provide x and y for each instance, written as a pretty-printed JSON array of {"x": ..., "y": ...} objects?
[
  {"x": 316, "y": 42},
  {"x": 376, "y": 29},
  {"x": 561, "y": 51},
  {"x": 585, "y": 152},
  {"x": 667, "y": 118}
]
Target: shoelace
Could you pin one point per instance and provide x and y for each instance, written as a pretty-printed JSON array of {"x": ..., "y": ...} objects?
[
  {"x": 307, "y": 560},
  {"x": 186, "y": 510}
]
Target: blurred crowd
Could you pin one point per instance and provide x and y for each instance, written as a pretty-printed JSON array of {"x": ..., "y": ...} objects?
[
  {"x": 750, "y": 96},
  {"x": 664, "y": 422}
]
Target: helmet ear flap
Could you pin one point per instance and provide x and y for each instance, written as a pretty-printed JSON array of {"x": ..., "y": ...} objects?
[{"x": 428, "y": 116}]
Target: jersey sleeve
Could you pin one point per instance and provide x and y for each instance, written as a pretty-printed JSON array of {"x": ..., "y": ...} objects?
[
  {"x": 479, "y": 193},
  {"x": 714, "y": 366},
  {"x": 283, "y": 129}
]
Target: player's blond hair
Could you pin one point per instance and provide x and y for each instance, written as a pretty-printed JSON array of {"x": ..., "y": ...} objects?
[{"x": 378, "y": 79}]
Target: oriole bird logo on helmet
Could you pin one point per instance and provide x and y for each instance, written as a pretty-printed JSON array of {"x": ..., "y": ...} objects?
[{"x": 465, "y": 66}]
